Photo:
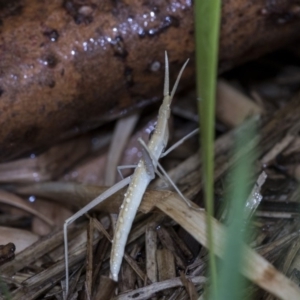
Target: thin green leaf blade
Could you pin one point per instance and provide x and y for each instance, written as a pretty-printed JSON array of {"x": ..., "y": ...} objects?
[{"x": 207, "y": 22}]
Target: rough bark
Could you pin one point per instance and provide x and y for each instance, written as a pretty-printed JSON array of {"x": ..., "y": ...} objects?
[{"x": 66, "y": 66}]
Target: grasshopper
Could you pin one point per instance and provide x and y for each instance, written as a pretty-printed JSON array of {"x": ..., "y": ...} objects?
[{"x": 144, "y": 173}]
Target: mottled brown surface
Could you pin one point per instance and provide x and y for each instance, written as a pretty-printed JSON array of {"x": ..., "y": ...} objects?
[{"x": 68, "y": 65}]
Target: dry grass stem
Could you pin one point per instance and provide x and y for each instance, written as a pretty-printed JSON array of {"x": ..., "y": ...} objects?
[
  {"x": 106, "y": 288},
  {"x": 14, "y": 200},
  {"x": 89, "y": 258},
  {"x": 166, "y": 264},
  {"x": 273, "y": 248},
  {"x": 122, "y": 132},
  {"x": 232, "y": 106},
  {"x": 151, "y": 248},
  {"x": 169, "y": 244},
  {"x": 278, "y": 148},
  {"x": 136, "y": 268},
  {"x": 255, "y": 268},
  {"x": 128, "y": 275},
  {"x": 150, "y": 290},
  {"x": 291, "y": 255},
  {"x": 189, "y": 286},
  {"x": 46, "y": 166}
]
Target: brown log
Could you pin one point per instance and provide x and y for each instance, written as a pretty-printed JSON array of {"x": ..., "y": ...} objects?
[{"x": 69, "y": 65}]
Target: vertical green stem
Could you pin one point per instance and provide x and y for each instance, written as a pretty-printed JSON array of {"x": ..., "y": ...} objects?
[
  {"x": 230, "y": 281},
  {"x": 207, "y": 22}
]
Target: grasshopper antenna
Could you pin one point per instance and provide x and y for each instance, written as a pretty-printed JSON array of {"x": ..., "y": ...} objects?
[
  {"x": 178, "y": 78},
  {"x": 166, "y": 83}
]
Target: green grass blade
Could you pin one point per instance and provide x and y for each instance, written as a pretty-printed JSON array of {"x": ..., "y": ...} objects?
[
  {"x": 207, "y": 22},
  {"x": 230, "y": 283},
  {"x": 4, "y": 291}
]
